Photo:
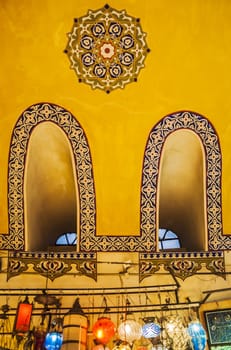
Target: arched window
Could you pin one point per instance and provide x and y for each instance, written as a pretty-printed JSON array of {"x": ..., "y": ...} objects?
[
  {"x": 48, "y": 153},
  {"x": 168, "y": 240},
  {"x": 50, "y": 191},
  {"x": 158, "y": 209},
  {"x": 181, "y": 189},
  {"x": 67, "y": 239}
]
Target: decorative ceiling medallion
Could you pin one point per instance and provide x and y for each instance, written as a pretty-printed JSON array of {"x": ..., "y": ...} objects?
[{"x": 107, "y": 48}]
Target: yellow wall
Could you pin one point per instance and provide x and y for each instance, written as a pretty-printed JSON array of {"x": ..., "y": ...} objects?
[{"x": 189, "y": 67}]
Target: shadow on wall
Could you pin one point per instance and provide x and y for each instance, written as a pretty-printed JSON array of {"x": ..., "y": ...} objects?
[
  {"x": 50, "y": 187},
  {"x": 182, "y": 189}
]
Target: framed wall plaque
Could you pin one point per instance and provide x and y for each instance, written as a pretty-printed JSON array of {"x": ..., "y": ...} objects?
[{"x": 218, "y": 324}]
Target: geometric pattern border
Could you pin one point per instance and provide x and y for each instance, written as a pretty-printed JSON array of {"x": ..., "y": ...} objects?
[
  {"x": 205, "y": 131},
  {"x": 106, "y": 48},
  {"x": 87, "y": 241},
  {"x": 52, "y": 265},
  {"x": 30, "y": 118},
  {"x": 182, "y": 265}
]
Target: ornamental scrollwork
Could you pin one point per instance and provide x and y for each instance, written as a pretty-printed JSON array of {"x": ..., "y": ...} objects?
[{"x": 107, "y": 48}]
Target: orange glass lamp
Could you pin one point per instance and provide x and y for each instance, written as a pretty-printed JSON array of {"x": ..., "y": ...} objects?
[
  {"x": 103, "y": 330},
  {"x": 23, "y": 316}
]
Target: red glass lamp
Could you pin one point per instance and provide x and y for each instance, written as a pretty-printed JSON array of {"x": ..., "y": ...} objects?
[
  {"x": 103, "y": 330},
  {"x": 23, "y": 316},
  {"x": 39, "y": 338}
]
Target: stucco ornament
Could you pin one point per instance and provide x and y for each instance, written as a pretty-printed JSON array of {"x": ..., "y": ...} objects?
[{"x": 107, "y": 48}]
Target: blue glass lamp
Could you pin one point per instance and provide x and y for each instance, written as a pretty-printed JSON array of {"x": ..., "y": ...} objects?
[
  {"x": 198, "y": 335},
  {"x": 53, "y": 341},
  {"x": 151, "y": 330}
]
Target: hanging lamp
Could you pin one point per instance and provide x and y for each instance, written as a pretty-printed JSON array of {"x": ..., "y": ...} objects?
[
  {"x": 75, "y": 325},
  {"x": 197, "y": 334},
  {"x": 104, "y": 329},
  {"x": 23, "y": 317},
  {"x": 39, "y": 338},
  {"x": 150, "y": 329},
  {"x": 174, "y": 333},
  {"x": 53, "y": 340},
  {"x": 129, "y": 330}
]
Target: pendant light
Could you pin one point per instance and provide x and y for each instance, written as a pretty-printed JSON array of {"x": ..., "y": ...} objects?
[
  {"x": 150, "y": 329},
  {"x": 129, "y": 330},
  {"x": 53, "y": 340},
  {"x": 175, "y": 333},
  {"x": 197, "y": 334},
  {"x": 39, "y": 338},
  {"x": 75, "y": 325},
  {"x": 104, "y": 329},
  {"x": 23, "y": 317}
]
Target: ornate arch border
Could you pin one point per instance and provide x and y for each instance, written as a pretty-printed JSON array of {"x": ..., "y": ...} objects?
[
  {"x": 29, "y": 119},
  {"x": 87, "y": 240},
  {"x": 203, "y": 128}
]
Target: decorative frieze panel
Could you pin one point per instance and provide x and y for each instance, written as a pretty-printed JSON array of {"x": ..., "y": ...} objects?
[
  {"x": 52, "y": 265},
  {"x": 181, "y": 265}
]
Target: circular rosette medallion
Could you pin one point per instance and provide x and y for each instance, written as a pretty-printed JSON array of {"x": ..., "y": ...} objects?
[{"x": 107, "y": 48}]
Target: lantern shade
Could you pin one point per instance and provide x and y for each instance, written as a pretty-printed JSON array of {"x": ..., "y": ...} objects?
[
  {"x": 174, "y": 333},
  {"x": 104, "y": 329},
  {"x": 74, "y": 331},
  {"x": 53, "y": 341},
  {"x": 129, "y": 331},
  {"x": 151, "y": 330},
  {"x": 198, "y": 335},
  {"x": 23, "y": 317}
]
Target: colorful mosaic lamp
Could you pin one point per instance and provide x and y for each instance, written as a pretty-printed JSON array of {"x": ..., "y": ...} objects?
[
  {"x": 150, "y": 328},
  {"x": 174, "y": 333},
  {"x": 198, "y": 335}
]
